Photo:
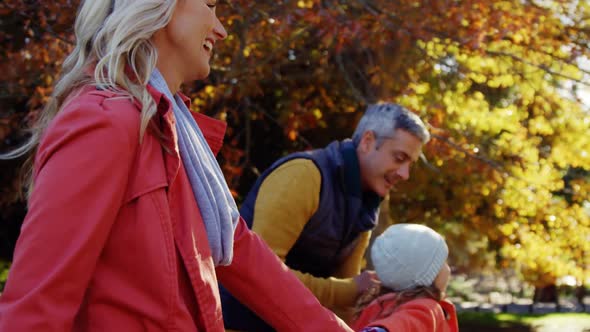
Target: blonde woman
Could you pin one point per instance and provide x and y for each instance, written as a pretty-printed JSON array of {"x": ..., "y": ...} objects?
[{"x": 130, "y": 222}]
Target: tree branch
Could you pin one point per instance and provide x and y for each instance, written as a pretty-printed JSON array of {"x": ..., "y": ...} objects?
[
  {"x": 540, "y": 66},
  {"x": 483, "y": 159}
]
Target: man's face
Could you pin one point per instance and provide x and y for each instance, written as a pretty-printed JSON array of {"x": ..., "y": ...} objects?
[{"x": 384, "y": 161}]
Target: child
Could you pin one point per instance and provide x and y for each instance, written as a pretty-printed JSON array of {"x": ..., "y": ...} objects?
[{"x": 410, "y": 261}]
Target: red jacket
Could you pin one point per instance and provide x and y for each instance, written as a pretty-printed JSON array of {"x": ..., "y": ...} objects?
[
  {"x": 419, "y": 315},
  {"x": 114, "y": 240}
]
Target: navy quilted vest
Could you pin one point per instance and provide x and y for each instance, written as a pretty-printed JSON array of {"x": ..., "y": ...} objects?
[{"x": 330, "y": 235}]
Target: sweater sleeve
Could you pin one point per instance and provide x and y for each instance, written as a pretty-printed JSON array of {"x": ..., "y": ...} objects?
[
  {"x": 286, "y": 200},
  {"x": 353, "y": 264}
]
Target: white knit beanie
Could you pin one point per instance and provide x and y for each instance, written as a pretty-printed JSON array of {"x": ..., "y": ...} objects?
[{"x": 408, "y": 255}]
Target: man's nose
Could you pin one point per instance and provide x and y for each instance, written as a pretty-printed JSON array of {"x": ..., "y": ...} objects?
[{"x": 404, "y": 171}]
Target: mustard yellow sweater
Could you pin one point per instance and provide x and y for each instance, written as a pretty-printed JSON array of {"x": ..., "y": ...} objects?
[{"x": 287, "y": 199}]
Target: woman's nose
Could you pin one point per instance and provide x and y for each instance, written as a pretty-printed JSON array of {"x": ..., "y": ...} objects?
[{"x": 219, "y": 30}]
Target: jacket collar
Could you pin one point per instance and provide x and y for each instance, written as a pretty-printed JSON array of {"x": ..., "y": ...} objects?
[
  {"x": 162, "y": 102},
  {"x": 213, "y": 129}
]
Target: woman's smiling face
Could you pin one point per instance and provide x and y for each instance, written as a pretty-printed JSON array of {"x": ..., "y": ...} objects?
[{"x": 189, "y": 38}]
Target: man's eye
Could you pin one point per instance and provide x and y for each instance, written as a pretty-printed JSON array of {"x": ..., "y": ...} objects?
[{"x": 399, "y": 158}]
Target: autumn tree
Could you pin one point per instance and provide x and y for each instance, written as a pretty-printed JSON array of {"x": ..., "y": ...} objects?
[
  {"x": 34, "y": 38},
  {"x": 499, "y": 83}
]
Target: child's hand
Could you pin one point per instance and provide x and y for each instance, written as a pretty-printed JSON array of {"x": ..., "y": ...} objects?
[{"x": 366, "y": 280}]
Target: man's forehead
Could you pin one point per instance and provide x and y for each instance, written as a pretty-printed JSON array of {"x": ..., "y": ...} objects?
[{"x": 406, "y": 143}]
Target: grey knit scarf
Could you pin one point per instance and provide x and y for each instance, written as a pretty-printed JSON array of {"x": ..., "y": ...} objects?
[{"x": 216, "y": 204}]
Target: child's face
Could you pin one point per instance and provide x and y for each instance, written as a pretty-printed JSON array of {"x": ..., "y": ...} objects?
[{"x": 442, "y": 279}]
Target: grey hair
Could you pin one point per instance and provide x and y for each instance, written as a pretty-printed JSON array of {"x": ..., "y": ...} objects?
[
  {"x": 385, "y": 118},
  {"x": 113, "y": 37}
]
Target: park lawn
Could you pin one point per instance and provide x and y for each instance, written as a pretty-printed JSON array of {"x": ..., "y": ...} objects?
[{"x": 554, "y": 322}]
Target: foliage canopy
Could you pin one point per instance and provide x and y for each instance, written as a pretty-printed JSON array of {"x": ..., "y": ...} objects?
[{"x": 499, "y": 82}]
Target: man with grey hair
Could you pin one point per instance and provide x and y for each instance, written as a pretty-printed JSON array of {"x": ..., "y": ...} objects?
[{"x": 316, "y": 209}]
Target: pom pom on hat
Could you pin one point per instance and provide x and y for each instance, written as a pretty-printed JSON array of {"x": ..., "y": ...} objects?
[{"x": 408, "y": 255}]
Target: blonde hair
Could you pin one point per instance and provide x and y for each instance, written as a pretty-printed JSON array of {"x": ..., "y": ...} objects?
[
  {"x": 400, "y": 298},
  {"x": 113, "y": 37}
]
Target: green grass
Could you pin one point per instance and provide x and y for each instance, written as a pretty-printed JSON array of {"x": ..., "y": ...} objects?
[
  {"x": 534, "y": 322},
  {"x": 477, "y": 319}
]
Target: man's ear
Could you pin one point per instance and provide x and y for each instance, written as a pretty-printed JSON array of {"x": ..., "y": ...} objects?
[{"x": 368, "y": 140}]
